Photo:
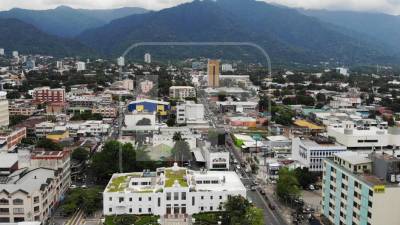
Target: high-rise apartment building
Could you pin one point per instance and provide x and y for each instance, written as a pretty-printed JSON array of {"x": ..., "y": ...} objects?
[
  {"x": 361, "y": 190},
  {"x": 4, "y": 113},
  {"x": 147, "y": 58},
  {"x": 213, "y": 73},
  {"x": 48, "y": 95}
]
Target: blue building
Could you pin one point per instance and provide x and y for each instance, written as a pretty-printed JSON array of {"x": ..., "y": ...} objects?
[{"x": 148, "y": 105}]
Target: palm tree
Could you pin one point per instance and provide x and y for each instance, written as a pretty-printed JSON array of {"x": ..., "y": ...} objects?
[{"x": 177, "y": 137}]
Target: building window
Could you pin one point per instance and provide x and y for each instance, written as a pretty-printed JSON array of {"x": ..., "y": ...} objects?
[
  {"x": 176, "y": 195},
  {"x": 193, "y": 201},
  {"x": 220, "y": 197},
  {"x": 149, "y": 199},
  {"x": 3, "y": 201},
  {"x": 130, "y": 210},
  {"x": 159, "y": 202},
  {"x": 140, "y": 210},
  {"x": 18, "y": 210},
  {"x": 149, "y": 210},
  {"x": 130, "y": 199},
  {"x": 121, "y": 199},
  {"x": 110, "y": 198},
  {"x": 168, "y": 196},
  {"x": 109, "y": 209},
  {"x": 183, "y": 195},
  {"x": 202, "y": 197},
  {"x": 140, "y": 199},
  {"x": 18, "y": 201}
]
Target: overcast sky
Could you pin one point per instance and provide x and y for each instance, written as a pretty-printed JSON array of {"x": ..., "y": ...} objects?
[{"x": 388, "y": 6}]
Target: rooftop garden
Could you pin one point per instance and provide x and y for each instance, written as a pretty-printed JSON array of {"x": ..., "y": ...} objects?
[
  {"x": 171, "y": 176},
  {"x": 119, "y": 183}
]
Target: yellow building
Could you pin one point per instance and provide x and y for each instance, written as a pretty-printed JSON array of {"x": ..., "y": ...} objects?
[
  {"x": 213, "y": 73},
  {"x": 57, "y": 136}
]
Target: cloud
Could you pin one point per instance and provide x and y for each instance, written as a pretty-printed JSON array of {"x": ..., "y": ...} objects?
[
  {"x": 387, "y": 6},
  {"x": 89, "y": 4}
]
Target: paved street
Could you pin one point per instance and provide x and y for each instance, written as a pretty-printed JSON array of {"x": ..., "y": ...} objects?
[{"x": 272, "y": 217}]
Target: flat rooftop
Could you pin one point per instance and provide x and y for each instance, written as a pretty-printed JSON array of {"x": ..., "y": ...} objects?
[
  {"x": 353, "y": 157},
  {"x": 7, "y": 160}
]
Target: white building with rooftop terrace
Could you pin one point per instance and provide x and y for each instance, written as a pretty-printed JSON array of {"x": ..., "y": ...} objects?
[{"x": 170, "y": 192}]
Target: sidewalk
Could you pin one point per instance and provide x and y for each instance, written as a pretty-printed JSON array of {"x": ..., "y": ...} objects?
[{"x": 286, "y": 212}]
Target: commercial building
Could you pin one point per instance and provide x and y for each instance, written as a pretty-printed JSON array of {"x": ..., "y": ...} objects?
[
  {"x": 227, "y": 67},
  {"x": 10, "y": 138},
  {"x": 242, "y": 121},
  {"x": 147, "y": 58},
  {"x": 23, "y": 108},
  {"x": 148, "y": 105},
  {"x": 29, "y": 195},
  {"x": 361, "y": 190},
  {"x": 170, "y": 192},
  {"x": 140, "y": 121},
  {"x": 48, "y": 95},
  {"x": 58, "y": 135},
  {"x": 213, "y": 73},
  {"x": 214, "y": 157},
  {"x": 312, "y": 152},
  {"x": 165, "y": 135},
  {"x": 182, "y": 92},
  {"x": 106, "y": 111},
  {"x": 364, "y": 137},
  {"x": 80, "y": 66},
  {"x": 4, "y": 113},
  {"x": 232, "y": 106},
  {"x": 44, "y": 128},
  {"x": 189, "y": 112}
]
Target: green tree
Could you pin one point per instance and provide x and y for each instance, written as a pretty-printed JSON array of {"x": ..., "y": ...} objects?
[
  {"x": 236, "y": 207},
  {"x": 16, "y": 119},
  {"x": 181, "y": 151},
  {"x": 287, "y": 185},
  {"x": 48, "y": 145},
  {"x": 177, "y": 137},
  {"x": 222, "y": 96},
  {"x": 87, "y": 199},
  {"x": 106, "y": 162},
  {"x": 13, "y": 95},
  {"x": 254, "y": 216},
  {"x": 305, "y": 177},
  {"x": 80, "y": 154}
]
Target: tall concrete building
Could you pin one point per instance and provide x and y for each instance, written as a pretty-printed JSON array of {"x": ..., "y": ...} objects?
[
  {"x": 361, "y": 190},
  {"x": 147, "y": 58},
  {"x": 213, "y": 73},
  {"x": 80, "y": 66},
  {"x": 4, "y": 113}
]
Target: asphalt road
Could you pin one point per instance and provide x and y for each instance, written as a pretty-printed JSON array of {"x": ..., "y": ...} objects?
[{"x": 271, "y": 217}]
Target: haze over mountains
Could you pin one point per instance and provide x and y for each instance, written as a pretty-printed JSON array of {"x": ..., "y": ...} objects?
[
  {"x": 289, "y": 35},
  {"x": 65, "y": 21}
]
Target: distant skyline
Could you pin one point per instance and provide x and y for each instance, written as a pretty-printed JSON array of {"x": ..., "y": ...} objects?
[{"x": 385, "y": 6}]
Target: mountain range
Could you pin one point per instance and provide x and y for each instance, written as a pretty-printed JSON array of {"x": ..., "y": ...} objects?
[
  {"x": 382, "y": 27},
  {"x": 288, "y": 35},
  {"x": 65, "y": 21},
  {"x": 23, "y": 37}
]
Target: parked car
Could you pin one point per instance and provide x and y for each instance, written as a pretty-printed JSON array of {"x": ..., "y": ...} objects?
[{"x": 271, "y": 206}]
